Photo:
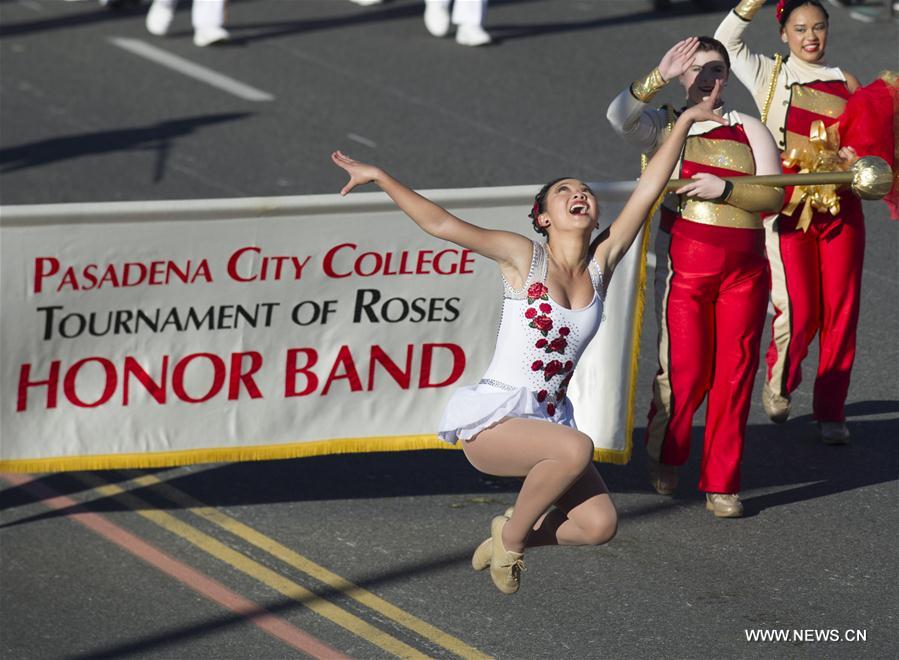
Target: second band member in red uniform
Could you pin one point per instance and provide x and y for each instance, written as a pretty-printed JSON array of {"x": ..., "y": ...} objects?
[{"x": 816, "y": 257}]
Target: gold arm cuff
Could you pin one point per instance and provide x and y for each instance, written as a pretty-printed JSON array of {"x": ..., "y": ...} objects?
[
  {"x": 647, "y": 87},
  {"x": 719, "y": 215},
  {"x": 748, "y": 8},
  {"x": 756, "y": 198}
]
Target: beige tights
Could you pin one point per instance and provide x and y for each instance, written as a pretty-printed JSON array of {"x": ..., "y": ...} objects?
[{"x": 556, "y": 463}]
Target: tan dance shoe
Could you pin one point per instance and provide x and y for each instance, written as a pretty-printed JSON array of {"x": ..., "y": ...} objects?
[
  {"x": 776, "y": 406},
  {"x": 724, "y": 505},
  {"x": 505, "y": 566},
  {"x": 484, "y": 552},
  {"x": 663, "y": 477},
  {"x": 833, "y": 433}
]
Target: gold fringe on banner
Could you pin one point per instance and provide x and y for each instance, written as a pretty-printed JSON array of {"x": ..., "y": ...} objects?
[
  {"x": 225, "y": 454},
  {"x": 277, "y": 452}
]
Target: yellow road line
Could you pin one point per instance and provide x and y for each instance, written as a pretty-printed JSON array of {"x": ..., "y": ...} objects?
[
  {"x": 255, "y": 570},
  {"x": 320, "y": 573}
]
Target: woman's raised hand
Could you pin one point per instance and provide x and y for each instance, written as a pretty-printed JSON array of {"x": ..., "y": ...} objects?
[
  {"x": 678, "y": 58},
  {"x": 360, "y": 173},
  {"x": 705, "y": 111}
]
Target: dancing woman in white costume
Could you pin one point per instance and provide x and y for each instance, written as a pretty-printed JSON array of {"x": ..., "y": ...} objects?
[{"x": 517, "y": 421}]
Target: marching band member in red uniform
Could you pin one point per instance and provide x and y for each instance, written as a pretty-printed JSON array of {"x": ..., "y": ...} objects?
[
  {"x": 711, "y": 273},
  {"x": 816, "y": 251}
]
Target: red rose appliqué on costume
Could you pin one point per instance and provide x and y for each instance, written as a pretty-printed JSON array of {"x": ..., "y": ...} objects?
[
  {"x": 537, "y": 291},
  {"x": 551, "y": 369},
  {"x": 543, "y": 323},
  {"x": 557, "y": 345}
]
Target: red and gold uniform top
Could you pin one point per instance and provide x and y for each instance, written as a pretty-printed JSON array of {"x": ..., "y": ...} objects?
[
  {"x": 813, "y": 105},
  {"x": 724, "y": 151}
]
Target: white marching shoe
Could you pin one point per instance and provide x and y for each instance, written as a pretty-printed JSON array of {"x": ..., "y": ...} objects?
[
  {"x": 208, "y": 36},
  {"x": 159, "y": 19},
  {"x": 437, "y": 19},
  {"x": 472, "y": 35}
]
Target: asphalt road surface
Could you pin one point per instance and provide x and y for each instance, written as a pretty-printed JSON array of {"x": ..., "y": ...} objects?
[{"x": 367, "y": 555}]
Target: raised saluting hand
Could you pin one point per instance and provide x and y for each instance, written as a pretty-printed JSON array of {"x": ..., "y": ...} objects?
[{"x": 678, "y": 58}]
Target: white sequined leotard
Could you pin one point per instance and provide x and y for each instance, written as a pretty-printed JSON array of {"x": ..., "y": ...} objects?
[{"x": 537, "y": 348}]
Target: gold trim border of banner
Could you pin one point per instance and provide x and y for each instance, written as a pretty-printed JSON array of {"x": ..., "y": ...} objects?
[
  {"x": 622, "y": 457},
  {"x": 252, "y": 453}
]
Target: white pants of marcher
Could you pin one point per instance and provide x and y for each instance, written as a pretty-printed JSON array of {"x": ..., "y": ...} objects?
[
  {"x": 465, "y": 12},
  {"x": 203, "y": 14}
]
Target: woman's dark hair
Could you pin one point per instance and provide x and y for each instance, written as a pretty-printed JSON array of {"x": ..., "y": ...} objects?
[
  {"x": 539, "y": 204},
  {"x": 708, "y": 43},
  {"x": 792, "y": 5}
]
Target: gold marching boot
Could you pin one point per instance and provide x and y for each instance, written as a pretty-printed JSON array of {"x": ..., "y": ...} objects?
[
  {"x": 776, "y": 406},
  {"x": 505, "y": 566},
  {"x": 724, "y": 505},
  {"x": 663, "y": 477},
  {"x": 833, "y": 433},
  {"x": 484, "y": 552}
]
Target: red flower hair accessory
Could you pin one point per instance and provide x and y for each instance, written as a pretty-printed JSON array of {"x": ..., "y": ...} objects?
[{"x": 779, "y": 10}]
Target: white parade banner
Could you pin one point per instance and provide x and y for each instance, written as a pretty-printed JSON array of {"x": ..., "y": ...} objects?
[{"x": 166, "y": 333}]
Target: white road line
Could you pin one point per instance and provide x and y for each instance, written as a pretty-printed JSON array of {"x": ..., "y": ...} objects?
[
  {"x": 188, "y": 68},
  {"x": 361, "y": 140}
]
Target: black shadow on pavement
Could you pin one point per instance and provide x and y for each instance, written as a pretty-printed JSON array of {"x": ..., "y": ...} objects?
[
  {"x": 248, "y": 32},
  {"x": 684, "y": 8},
  {"x": 786, "y": 462},
  {"x": 79, "y": 14},
  {"x": 60, "y": 483},
  {"x": 862, "y": 408},
  {"x": 157, "y": 137}
]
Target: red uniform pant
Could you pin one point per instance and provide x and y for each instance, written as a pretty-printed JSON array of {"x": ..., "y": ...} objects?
[
  {"x": 711, "y": 317},
  {"x": 816, "y": 279}
]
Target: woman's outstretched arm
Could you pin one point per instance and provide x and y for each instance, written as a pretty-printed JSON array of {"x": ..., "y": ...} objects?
[
  {"x": 618, "y": 237},
  {"x": 512, "y": 251}
]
